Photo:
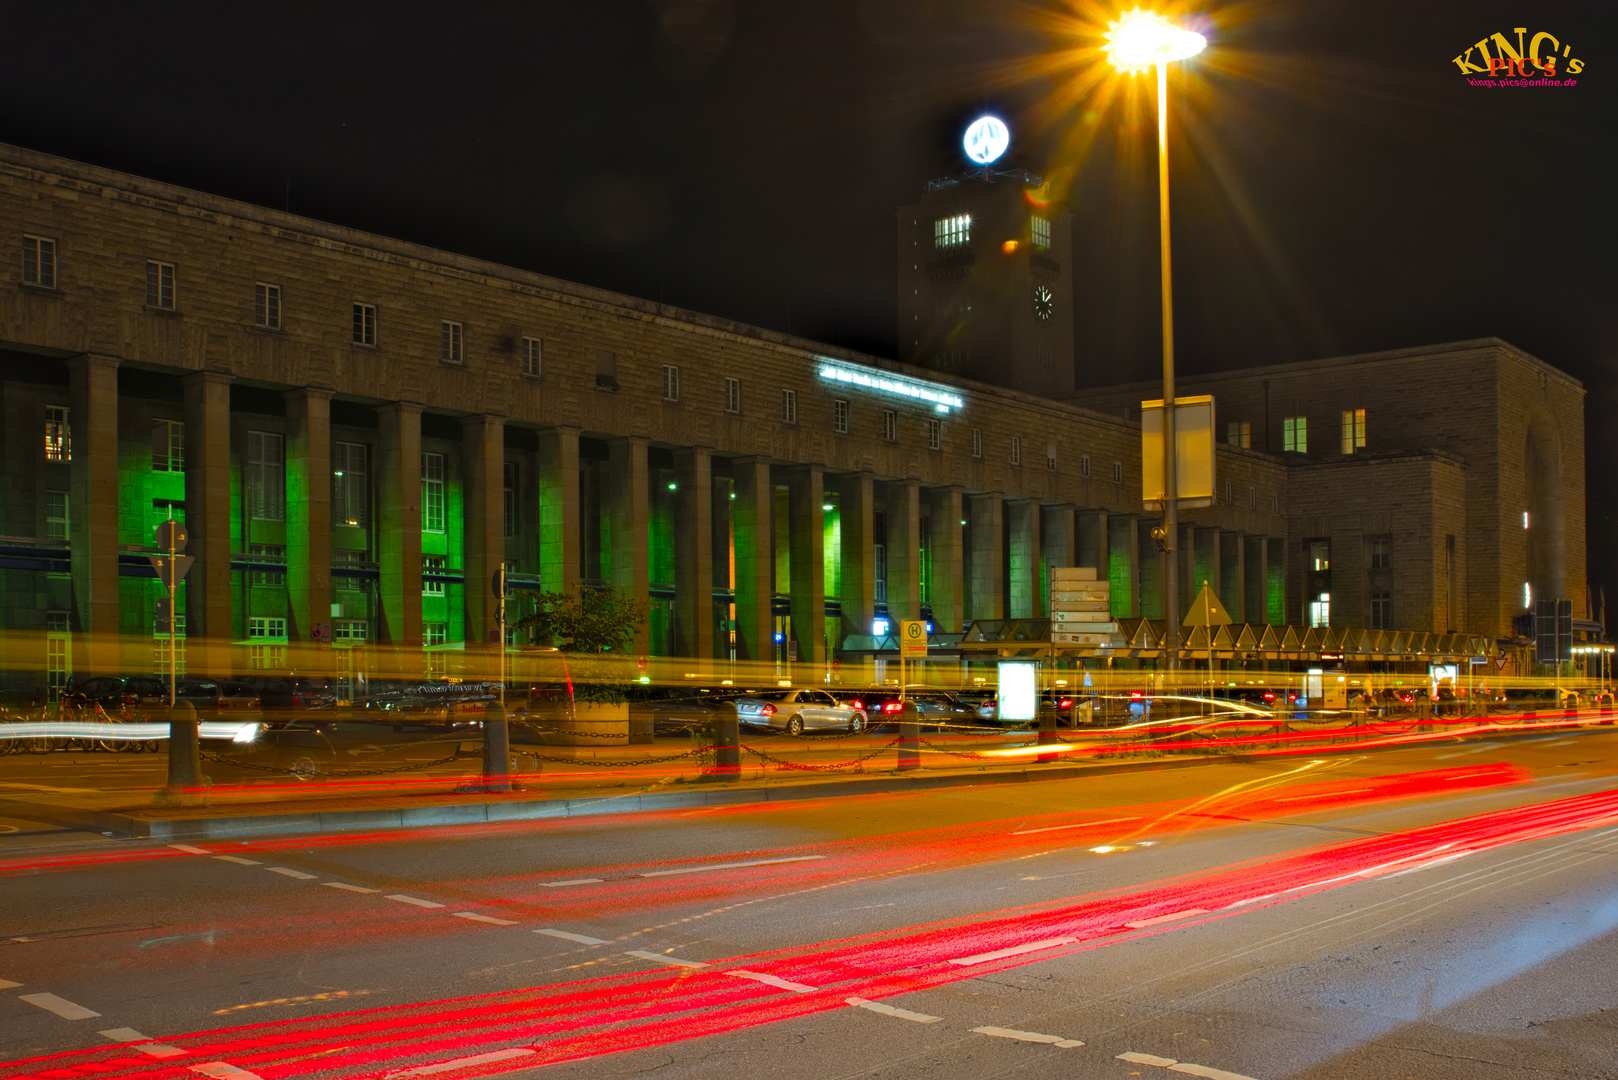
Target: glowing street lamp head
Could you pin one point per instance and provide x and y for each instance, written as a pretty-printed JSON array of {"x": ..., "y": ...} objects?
[
  {"x": 1141, "y": 39},
  {"x": 986, "y": 139}
]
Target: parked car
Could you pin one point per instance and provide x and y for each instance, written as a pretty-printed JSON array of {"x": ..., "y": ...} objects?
[
  {"x": 797, "y": 711},
  {"x": 673, "y": 708},
  {"x": 220, "y": 700},
  {"x": 114, "y": 693},
  {"x": 300, "y": 692}
]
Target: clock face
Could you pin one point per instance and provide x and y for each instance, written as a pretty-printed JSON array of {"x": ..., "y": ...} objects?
[{"x": 1044, "y": 303}]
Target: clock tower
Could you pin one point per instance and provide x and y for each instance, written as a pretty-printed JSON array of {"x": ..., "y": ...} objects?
[{"x": 983, "y": 291}]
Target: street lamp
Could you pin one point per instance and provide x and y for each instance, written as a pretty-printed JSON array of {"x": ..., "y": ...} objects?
[{"x": 1138, "y": 40}]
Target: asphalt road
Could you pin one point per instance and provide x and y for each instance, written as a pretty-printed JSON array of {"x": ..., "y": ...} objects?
[{"x": 1440, "y": 912}]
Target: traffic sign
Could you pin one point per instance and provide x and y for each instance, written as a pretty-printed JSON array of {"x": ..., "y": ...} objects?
[
  {"x": 912, "y": 638},
  {"x": 171, "y": 568},
  {"x": 171, "y": 536}
]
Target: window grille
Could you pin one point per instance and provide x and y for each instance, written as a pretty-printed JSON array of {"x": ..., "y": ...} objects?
[
  {"x": 533, "y": 357},
  {"x": 449, "y": 342},
  {"x": 1016, "y": 449},
  {"x": 168, "y": 445},
  {"x": 266, "y": 476},
  {"x": 789, "y": 406},
  {"x": 58, "y": 434},
  {"x": 1295, "y": 434},
  {"x": 160, "y": 285},
  {"x": 39, "y": 261},
  {"x": 267, "y": 305},
  {"x": 671, "y": 383},
  {"x": 733, "y": 395},
  {"x": 977, "y": 442},
  {"x": 349, "y": 492},
  {"x": 839, "y": 417},
  {"x": 1353, "y": 430},
  {"x": 432, "y": 493},
  {"x": 890, "y": 425},
  {"x": 952, "y": 231},
  {"x": 432, "y": 564},
  {"x": 365, "y": 324},
  {"x": 1040, "y": 230},
  {"x": 935, "y": 434}
]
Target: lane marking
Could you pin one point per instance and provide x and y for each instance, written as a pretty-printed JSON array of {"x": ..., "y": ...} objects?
[
  {"x": 661, "y": 959},
  {"x": 289, "y": 872},
  {"x": 575, "y": 881},
  {"x": 729, "y": 866},
  {"x": 1206, "y": 1071},
  {"x": 7, "y": 984},
  {"x": 461, "y": 1063},
  {"x": 1077, "y": 825},
  {"x": 60, "y": 1006},
  {"x": 1146, "y": 1059},
  {"x": 403, "y": 899},
  {"x": 889, "y": 1010},
  {"x": 1015, "y": 950},
  {"x": 190, "y": 849},
  {"x": 238, "y": 861},
  {"x": 124, "y": 1035},
  {"x": 1027, "y": 1036},
  {"x": 347, "y": 887},
  {"x": 582, "y": 939},
  {"x": 223, "y": 1071},
  {"x": 490, "y": 919},
  {"x": 771, "y": 980},
  {"x": 1159, "y": 919}
]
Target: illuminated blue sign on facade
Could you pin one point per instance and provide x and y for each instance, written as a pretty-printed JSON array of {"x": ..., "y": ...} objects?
[{"x": 943, "y": 398}]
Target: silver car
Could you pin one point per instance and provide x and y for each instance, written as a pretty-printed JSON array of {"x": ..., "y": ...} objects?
[{"x": 797, "y": 711}]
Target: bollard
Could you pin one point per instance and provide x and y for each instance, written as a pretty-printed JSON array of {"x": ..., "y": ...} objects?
[
  {"x": 909, "y": 718},
  {"x": 1047, "y": 733},
  {"x": 185, "y": 748},
  {"x": 496, "y": 749},
  {"x": 725, "y": 730}
]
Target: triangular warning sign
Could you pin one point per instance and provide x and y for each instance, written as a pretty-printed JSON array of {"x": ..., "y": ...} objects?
[{"x": 1206, "y": 610}]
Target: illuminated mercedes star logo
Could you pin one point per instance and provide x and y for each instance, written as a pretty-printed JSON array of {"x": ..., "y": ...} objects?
[{"x": 986, "y": 139}]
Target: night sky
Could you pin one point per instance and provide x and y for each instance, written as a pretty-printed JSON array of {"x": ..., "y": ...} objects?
[{"x": 1338, "y": 185}]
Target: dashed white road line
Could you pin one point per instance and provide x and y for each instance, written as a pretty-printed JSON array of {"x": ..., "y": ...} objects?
[
  {"x": 771, "y": 980},
  {"x": 403, "y": 899},
  {"x": 661, "y": 959},
  {"x": 889, "y": 1010},
  {"x": 7, "y": 984},
  {"x": 1014, "y": 950},
  {"x": 221, "y": 1070},
  {"x": 191, "y": 850},
  {"x": 575, "y": 881},
  {"x": 729, "y": 866},
  {"x": 1075, "y": 825},
  {"x": 238, "y": 860},
  {"x": 1135, "y": 1058},
  {"x": 155, "y": 1049},
  {"x": 582, "y": 939},
  {"x": 461, "y": 1063},
  {"x": 60, "y": 1006},
  {"x": 1208, "y": 1072},
  {"x": 490, "y": 919},
  {"x": 1156, "y": 920},
  {"x": 347, "y": 887},
  {"x": 289, "y": 872},
  {"x": 1027, "y": 1036}
]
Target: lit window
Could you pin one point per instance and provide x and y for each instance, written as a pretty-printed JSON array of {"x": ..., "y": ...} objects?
[
  {"x": 39, "y": 261},
  {"x": 434, "y": 633},
  {"x": 57, "y": 523},
  {"x": 935, "y": 434},
  {"x": 1239, "y": 433},
  {"x": 1353, "y": 430},
  {"x": 1525, "y": 519},
  {"x": 267, "y": 306},
  {"x": 348, "y": 631},
  {"x": 839, "y": 417},
  {"x": 432, "y": 585},
  {"x": 789, "y": 406},
  {"x": 1295, "y": 434},
  {"x": 1040, "y": 230},
  {"x": 365, "y": 324},
  {"x": 266, "y": 643},
  {"x": 432, "y": 492},
  {"x": 1320, "y": 554},
  {"x": 952, "y": 231},
  {"x": 58, "y": 435},
  {"x": 1320, "y": 610},
  {"x": 449, "y": 342},
  {"x": 509, "y": 472},
  {"x": 1016, "y": 449},
  {"x": 268, "y": 553},
  {"x": 733, "y": 395},
  {"x": 977, "y": 442},
  {"x": 348, "y": 489},
  {"x": 533, "y": 357},
  {"x": 890, "y": 425},
  {"x": 671, "y": 383},
  {"x": 168, "y": 445},
  {"x": 266, "y": 476},
  {"x": 160, "y": 285}
]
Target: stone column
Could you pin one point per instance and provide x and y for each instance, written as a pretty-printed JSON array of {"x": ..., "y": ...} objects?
[
  {"x": 398, "y": 503},
  {"x": 1025, "y": 601},
  {"x": 1235, "y": 550},
  {"x": 483, "y": 453},
  {"x": 755, "y": 558},
  {"x": 693, "y": 555},
  {"x": 857, "y": 505},
  {"x": 626, "y": 499},
  {"x": 988, "y": 557},
  {"x": 806, "y": 495},
  {"x": 1123, "y": 536},
  {"x": 559, "y": 518},
  {"x": 207, "y": 520},
  {"x": 949, "y": 567},
  {"x": 309, "y": 472},
  {"x": 904, "y": 550},
  {"x": 93, "y": 515},
  {"x": 1057, "y": 533},
  {"x": 1090, "y": 540}
]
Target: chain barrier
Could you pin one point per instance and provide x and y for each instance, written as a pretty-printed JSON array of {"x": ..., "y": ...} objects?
[
  {"x": 928, "y": 743},
  {"x": 294, "y": 771},
  {"x": 612, "y": 764},
  {"x": 785, "y": 764}
]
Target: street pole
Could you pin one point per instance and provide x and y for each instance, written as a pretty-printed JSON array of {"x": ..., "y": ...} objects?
[{"x": 1171, "y": 449}]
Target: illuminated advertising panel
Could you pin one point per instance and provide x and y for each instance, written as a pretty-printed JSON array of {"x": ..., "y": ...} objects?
[{"x": 1019, "y": 690}]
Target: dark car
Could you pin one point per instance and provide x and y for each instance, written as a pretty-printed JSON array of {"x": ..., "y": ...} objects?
[
  {"x": 277, "y": 693},
  {"x": 136, "y": 694},
  {"x": 220, "y": 700}
]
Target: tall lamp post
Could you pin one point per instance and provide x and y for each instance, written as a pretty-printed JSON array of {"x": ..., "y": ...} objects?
[{"x": 1137, "y": 41}]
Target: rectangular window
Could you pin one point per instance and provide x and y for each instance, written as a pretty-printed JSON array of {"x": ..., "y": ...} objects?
[
  {"x": 1040, "y": 231},
  {"x": 266, "y": 476},
  {"x": 671, "y": 383},
  {"x": 1320, "y": 610},
  {"x": 449, "y": 342},
  {"x": 533, "y": 357},
  {"x": 1084, "y": 466},
  {"x": 839, "y": 417},
  {"x": 58, "y": 653},
  {"x": 432, "y": 492},
  {"x": 1117, "y": 472},
  {"x": 1229, "y": 494},
  {"x": 168, "y": 445},
  {"x": 160, "y": 285},
  {"x": 607, "y": 371},
  {"x": 58, "y": 435},
  {"x": 266, "y": 643},
  {"x": 39, "y": 261},
  {"x": 935, "y": 434},
  {"x": 1353, "y": 430},
  {"x": 349, "y": 492},
  {"x": 1050, "y": 457},
  {"x": 977, "y": 442},
  {"x": 365, "y": 324},
  {"x": 432, "y": 564},
  {"x": 1016, "y": 449},
  {"x": 789, "y": 406},
  {"x": 1320, "y": 554},
  {"x": 267, "y": 305},
  {"x": 57, "y": 523},
  {"x": 1381, "y": 611},
  {"x": 952, "y": 231},
  {"x": 276, "y": 553},
  {"x": 349, "y": 631},
  {"x": 509, "y": 475},
  {"x": 879, "y": 572},
  {"x": 434, "y": 633},
  {"x": 1275, "y": 504},
  {"x": 1252, "y": 498},
  {"x": 1381, "y": 553},
  {"x": 1295, "y": 434},
  {"x": 733, "y": 395},
  {"x": 890, "y": 425},
  {"x": 1239, "y": 433}
]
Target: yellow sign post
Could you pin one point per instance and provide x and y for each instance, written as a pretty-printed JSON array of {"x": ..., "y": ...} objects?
[{"x": 912, "y": 643}]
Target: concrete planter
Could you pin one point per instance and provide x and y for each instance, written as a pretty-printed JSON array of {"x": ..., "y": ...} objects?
[{"x": 591, "y": 725}]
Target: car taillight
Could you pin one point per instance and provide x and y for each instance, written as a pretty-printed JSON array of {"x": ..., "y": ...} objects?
[
  {"x": 1065, "y": 703},
  {"x": 856, "y": 704},
  {"x": 1135, "y": 695},
  {"x": 768, "y": 709},
  {"x": 893, "y": 706},
  {"x": 297, "y": 701}
]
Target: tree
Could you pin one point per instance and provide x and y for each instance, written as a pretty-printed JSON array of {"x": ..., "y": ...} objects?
[{"x": 590, "y": 624}]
